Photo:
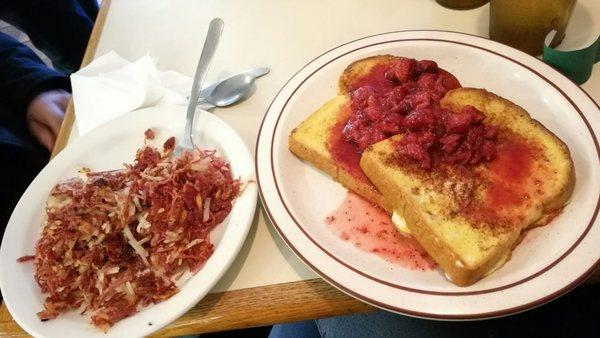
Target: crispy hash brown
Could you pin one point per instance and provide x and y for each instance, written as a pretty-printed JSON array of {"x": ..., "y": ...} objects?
[{"x": 114, "y": 242}]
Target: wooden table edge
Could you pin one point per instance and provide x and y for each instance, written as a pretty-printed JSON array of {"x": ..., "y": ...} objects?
[
  {"x": 245, "y": 308},
  {"x": 90, "y": 51}
]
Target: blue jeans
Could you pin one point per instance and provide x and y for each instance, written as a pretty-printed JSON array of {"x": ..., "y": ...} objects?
[{"x": 572, "y": 315}]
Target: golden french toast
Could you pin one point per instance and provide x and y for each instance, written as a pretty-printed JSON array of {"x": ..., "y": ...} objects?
[
  {"x": 319, "y": 139},
  {"x": 466, "y": 207},
  {"x": 311, "y": 139},
  {"x": 315, "y": 137},
  {"x": 469, "y": 220}
]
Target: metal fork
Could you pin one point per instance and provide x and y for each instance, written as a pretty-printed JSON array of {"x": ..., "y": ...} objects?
[{"x": 186, "y": 142}]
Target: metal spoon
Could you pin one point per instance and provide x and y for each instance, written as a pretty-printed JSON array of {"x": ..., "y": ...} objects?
[
  {"x": 228, "y": 92},
  {"x": 256, "y": 72},
  {"x": 208, "y": 51}
]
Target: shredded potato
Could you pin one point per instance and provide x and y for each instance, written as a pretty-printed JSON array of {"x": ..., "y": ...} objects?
[{"x": 117, "y": 241}]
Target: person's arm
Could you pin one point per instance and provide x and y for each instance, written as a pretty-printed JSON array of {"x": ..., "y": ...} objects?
[
  {"x": 36, "y": 94},
  {"x": 59, "y": 28}
]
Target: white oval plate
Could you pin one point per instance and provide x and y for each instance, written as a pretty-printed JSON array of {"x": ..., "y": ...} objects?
[
  {"x": 550, "y": 261},
  {"x": 105, "y": 148}
]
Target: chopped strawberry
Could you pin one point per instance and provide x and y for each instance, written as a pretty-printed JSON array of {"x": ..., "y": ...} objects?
[
  {"x": 149, "y": 133},
  {"x": 404, "y": 70}
]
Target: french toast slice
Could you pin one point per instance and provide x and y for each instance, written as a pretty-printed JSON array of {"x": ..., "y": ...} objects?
[
  {"x": 351, "y": 76},
  {"x": 312, "y": 141},
  {"x": 470, "y": 219},
  {"x": 315, "y": 137}
]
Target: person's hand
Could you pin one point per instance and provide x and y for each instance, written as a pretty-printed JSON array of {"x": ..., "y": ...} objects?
[{"x": 45, "y": 114}]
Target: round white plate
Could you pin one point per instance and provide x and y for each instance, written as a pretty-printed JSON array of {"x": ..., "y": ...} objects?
[
  {"x": 105, "y": 148},
  {"x": 550, "y": 261}
]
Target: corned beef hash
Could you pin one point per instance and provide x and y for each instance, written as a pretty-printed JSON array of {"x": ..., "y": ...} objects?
[{"x": 114, "y": 242}]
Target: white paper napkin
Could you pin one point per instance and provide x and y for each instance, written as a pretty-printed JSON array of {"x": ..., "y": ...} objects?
[{"x": 111, "y": 86}]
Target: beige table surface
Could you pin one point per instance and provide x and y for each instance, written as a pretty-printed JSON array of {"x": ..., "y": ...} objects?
[{"x": 267, "y": 283}]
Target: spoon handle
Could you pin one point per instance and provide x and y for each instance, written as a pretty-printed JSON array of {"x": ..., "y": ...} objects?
[{"x": 208, "y": 51}]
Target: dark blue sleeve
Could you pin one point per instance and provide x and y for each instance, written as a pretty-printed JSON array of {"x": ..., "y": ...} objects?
[
  {"x": 59, "y": 28},
  {"x": 23, "y": 75}
]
